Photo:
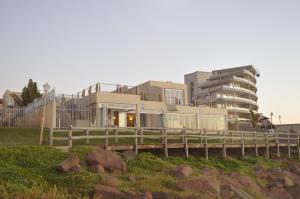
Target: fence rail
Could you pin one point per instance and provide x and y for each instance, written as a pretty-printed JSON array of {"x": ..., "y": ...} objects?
[{"x": 164, "y": 138}]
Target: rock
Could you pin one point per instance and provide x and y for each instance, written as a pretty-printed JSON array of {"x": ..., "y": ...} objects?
[
  {"x": 293, "y": 177},
  {"x": 146, "y": 195},
  {"x": 75, "y": 169},
  {"x": 109, "y": 160},
  {"x": 275, "y": 184},
  {"x": 111, "y": 181},
  {"x": 203, "y": 185},
  {"x": 131, "y": 178},
  {"x": 279, "y": 193},
  {"x": 129, "y": 154},
  {"x": 68, "y": 164},
  {"x": 245, "y": 182},
  {"x": 83, "y": 163},
  {"x": 294, "y": 191},
  {"x": 96, "y": 169},
  {"x": 211, "y": 172},
  {"x": 182, "y": 171},
  {"x": 161, "y": 195},
  {"x": 229, "y": 191},
  {"x": 107, "y": 192},
  {"x": 288, "y": 182}
]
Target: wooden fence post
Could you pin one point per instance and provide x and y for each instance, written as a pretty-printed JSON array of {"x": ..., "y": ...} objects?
[
  {"x": 87, "y": 136},
  {"x": 277, "y": 145},
  {"x": 51, "y": 137},
  {"x": 116, "y": 134},
  {"x": 298, "y": 145},
  {"x": 255, "y": 144},
  {"x": 136, "y": 141},
  {"x": 206, "y": 146},
  {"x": 142, "y": 136},
  {"x": 242, "y": 144},
  {"x": 289, "y": 145},
  {"x": 200, "y": 133},
  {"x": 70, "y": 138},
  {"x": 267, "y": 146},
  {"x": 224, "y": 146},
  {"x": 106, "y": 139},
  {"x": 186, "y": 147},
  {"x": 166, "y": 143}
]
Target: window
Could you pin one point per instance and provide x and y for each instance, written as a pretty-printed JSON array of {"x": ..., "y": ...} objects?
[
  {"x": 191, "y": 91},
  {"x": 174, "y": 96},
  {"x": 212, "y": 122}
]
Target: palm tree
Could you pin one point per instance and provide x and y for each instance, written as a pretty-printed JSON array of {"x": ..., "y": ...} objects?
[{"x": 256, "y": 118}]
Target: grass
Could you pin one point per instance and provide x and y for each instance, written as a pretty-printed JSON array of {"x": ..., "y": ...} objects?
[
  {"x": 12, "y": 136},
  {"x": 30, "y": 171}
]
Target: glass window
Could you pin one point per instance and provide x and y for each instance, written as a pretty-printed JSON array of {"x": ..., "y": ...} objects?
[
  {"x": 212, "y": 122},
  {"x": 174, "y": 96}
]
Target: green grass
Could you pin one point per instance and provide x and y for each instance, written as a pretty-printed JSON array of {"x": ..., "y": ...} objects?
[
  {"x": 20, "y": 136},
  {"x": 31, "y": 170}
]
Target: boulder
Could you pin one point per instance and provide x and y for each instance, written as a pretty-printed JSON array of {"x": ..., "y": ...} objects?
[
  {"x": 279, "y": 193},
  {"x": 107, "y": 192},
  {"x": 129, "y": 154},
  {"x": 294, "y": 191},
  {"x": 109, "y": 160},
  {"x": 131, "y": 178},
  {"x": 146, "y": 195},
  {"x": 182, "y": 171},
  {"x": 68, "y": 164},
  {"x": 214, "y": 173},
  {"x": 244, "y": 182},
  {"x": 111, "y": 181},
  {"x": 202, "y": 184},
  {"x": 97, "y": 168},
  {"x": 162, "y": 195},
  {"x": 75, "y": 169},
  {"x": 229, "y": 191}
]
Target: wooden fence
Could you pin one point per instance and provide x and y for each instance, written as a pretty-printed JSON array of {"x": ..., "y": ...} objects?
[{"x": 163, "y": 138}]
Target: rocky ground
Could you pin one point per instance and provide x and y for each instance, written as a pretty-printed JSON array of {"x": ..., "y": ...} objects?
[{"x": 185, "y": 181}]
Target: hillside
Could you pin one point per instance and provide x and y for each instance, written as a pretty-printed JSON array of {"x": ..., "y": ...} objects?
[{"x": 30, "y": 172}]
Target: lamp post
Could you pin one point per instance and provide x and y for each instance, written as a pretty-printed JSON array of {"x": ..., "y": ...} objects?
[
  {"x": 46, "y": 89},
  {"x": 279, "y": 119},
  {"x": 272, "y": 120}
]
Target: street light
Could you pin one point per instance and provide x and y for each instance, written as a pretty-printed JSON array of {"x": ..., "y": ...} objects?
[
  {"x": 46, "y": 88},
  {"x": 272, "y": 120},
  {"x": 279, "y": 119}
]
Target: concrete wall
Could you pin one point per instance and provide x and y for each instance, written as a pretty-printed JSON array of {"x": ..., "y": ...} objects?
[{"x": 288, "y": 127}]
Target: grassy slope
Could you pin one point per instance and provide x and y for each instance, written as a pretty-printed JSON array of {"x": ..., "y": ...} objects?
[
  {"x": 22, "y": 168},
  {"x": 20, "y": 136}
]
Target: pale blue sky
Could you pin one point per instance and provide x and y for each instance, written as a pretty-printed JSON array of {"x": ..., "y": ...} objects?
[{"x": 72, "y": 44}]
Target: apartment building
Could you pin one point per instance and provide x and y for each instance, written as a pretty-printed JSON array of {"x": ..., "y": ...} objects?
[
  {"x": 150, "y": 104},
  {"x": 231, "y": 88}
]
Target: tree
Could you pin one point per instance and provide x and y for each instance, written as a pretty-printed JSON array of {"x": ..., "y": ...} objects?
[
  {"x": 30, "y": 93},
  {"x": 256, "y": 118}
]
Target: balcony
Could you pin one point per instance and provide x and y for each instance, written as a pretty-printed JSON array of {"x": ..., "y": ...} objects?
[
  {"x": 240, "y": 89},
  {"x": 244, "y": 81},
  {"x": 237, "y": 99}
]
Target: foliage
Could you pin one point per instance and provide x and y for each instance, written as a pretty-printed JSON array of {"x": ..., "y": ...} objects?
[
  {"x": 256, "y": 118},
  {"x": 30, "y": 92}
]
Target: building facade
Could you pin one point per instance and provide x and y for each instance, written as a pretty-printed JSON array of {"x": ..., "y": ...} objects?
[
  {"x": 152, "y": 104},
  {"x": 232, "y": 88},
  {"x": 11, "y": 99}
]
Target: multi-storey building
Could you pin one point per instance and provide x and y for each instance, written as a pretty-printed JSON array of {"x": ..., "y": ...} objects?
[
  {"x": 232, "y": 88},
  {"x": 151, "y": 104}
]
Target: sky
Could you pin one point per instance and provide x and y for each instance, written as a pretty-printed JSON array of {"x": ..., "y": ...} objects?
[{"x": 72, "y": 44}]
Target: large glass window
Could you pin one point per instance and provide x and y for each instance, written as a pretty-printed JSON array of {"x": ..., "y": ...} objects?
[
  {"x": 174, "y": 96},
  {"x": 212, "y": 122},
  {"x": 174, "y": 120}
]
